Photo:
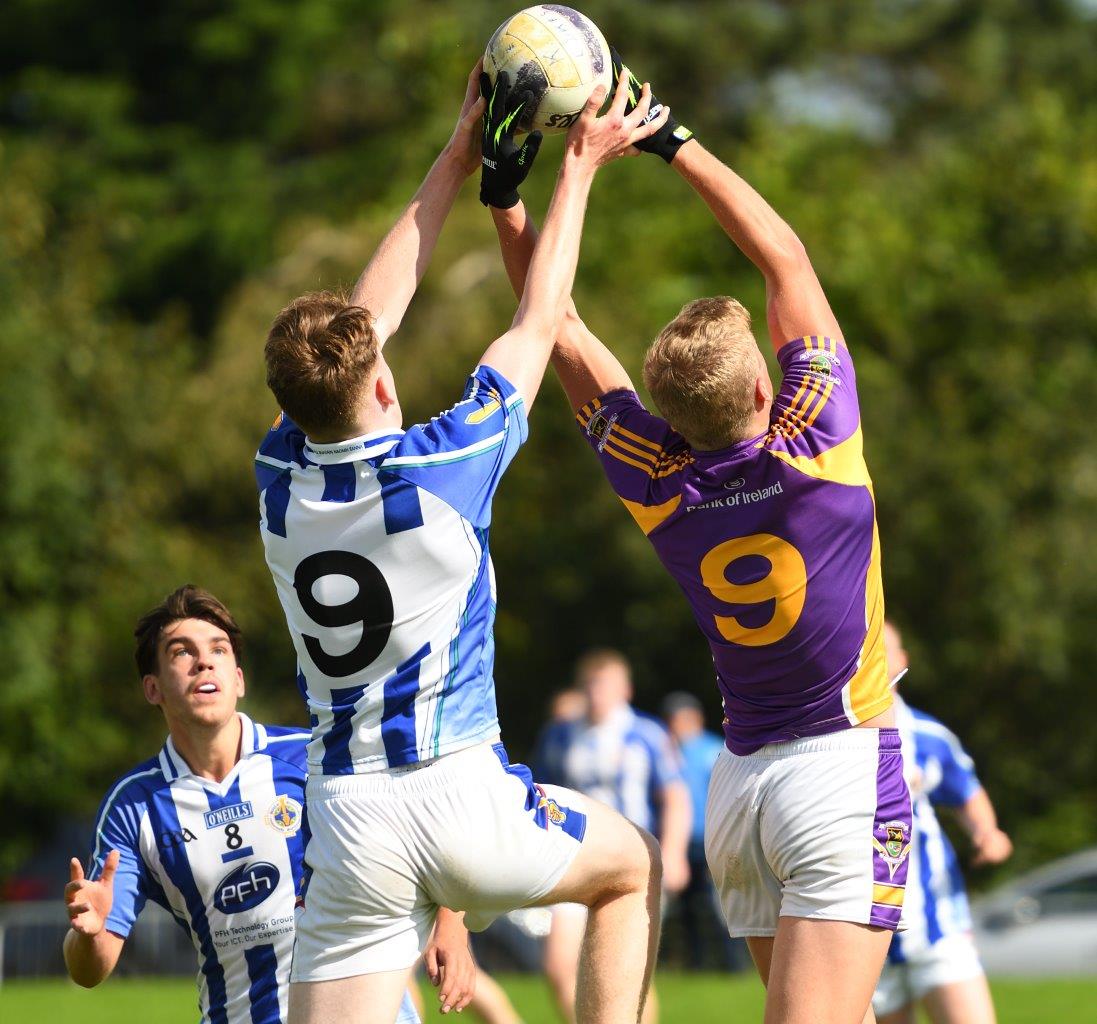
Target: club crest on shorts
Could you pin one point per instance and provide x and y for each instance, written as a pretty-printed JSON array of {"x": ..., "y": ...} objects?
[
  {"x": 819, "y": 364},
  {"x": 555, "y": 814},
  {"x": 284, "y": 816},
  {"x": 896, "y": 845}
]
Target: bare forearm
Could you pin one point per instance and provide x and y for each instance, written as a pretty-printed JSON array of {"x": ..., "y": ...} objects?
[
  {"x": 795, "y": 302},
  {"x": 517, "y": 240},
  {"x": 91, "y": 958},
  {"x": 552, "y": 267},
  {"x": 585, "y": 366},
  {"x": 750, "y": 222},
  {"x": 388, "y": 283},
  {"x": 977, "y": 815}
]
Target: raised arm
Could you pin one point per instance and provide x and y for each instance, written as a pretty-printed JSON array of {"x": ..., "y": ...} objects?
[
  {"x": 391, "y": 277},
  {"x": 795, "y": 303},
  {"x": 585, "y": 366},
  {"x": 522, "y": 353}
]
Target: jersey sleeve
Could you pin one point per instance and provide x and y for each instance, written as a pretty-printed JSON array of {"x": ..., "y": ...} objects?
[
  {"x": 281, "y": 450},
  {"x": 959, "y": 781},
  {"x": 460, "y": 456},
  {"x": 642, "y": 455},
  {"x": 118, "y": 828},
  {"x": 815, "y": 421}
]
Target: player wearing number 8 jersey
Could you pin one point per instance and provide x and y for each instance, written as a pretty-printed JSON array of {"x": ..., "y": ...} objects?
[
  {"x": 762, "y": 510},
  {"x": 377, "y": 538},
  {"x": 212, "y": 829}
]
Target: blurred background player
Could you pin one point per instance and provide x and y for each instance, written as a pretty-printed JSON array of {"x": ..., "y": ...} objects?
[
  {"x": 934, "y": 962},
  {"x": 625, "y": 759},
  {"x": 377, "y": 539},
  {"x": 697, "y": 905},
  {"x": 761, "y": 508},
  {"x": 212, "y": 830}
]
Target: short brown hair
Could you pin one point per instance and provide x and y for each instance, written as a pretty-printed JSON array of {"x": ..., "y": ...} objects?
[
  {"x": 320, "y": 353},
  {"x": 188, "y": 602},
  {"x": 597, "y": 659},
  {"x": 701, "y": 372}
]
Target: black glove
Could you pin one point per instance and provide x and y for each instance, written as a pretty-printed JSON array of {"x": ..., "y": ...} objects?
[
  {"x": 505, "y": 164},
  {"x": 667, "y": 140}
]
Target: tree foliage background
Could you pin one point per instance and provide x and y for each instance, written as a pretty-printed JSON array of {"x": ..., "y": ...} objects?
[{"x": 172, "y": 174}]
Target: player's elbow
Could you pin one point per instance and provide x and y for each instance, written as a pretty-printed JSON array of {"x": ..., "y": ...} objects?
[
  {"x": 85, "y": 980},
  {"x": 788, "y": 255},
  {"x": 86, "y": 970}
]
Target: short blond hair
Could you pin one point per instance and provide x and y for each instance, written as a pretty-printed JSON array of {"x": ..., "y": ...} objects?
[
  {"x": 701, "y": 372},
  {"x": 320, "y": 353}
]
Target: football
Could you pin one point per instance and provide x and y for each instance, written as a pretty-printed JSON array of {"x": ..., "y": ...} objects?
[{"x": 558, "y": 55}]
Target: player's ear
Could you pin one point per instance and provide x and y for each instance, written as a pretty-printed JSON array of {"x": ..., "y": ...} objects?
[
  {"x": 384, "y": 389},
  {"x": 763, "y": 391},
  {"x": 151, "y": 685},
  {"x": 241, "y": 686}
]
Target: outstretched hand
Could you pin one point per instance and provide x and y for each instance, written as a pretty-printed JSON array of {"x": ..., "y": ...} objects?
[
  {"x": 671, "y": 136},
  {"x": 505, "y": 163},
  {"x": 88, "y": 903},
  {"x": 598, "y": 140}
]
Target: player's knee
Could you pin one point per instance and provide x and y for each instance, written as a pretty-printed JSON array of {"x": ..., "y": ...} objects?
[{"x": 640, "y": 867}]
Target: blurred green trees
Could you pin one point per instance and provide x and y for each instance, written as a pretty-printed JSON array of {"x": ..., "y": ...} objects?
[{"x": 170, "y": 175}]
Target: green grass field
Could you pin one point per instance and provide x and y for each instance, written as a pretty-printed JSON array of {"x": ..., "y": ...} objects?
[{"x": 694, "y": 999}]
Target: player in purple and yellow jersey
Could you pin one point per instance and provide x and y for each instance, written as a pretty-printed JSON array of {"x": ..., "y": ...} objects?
[{"x": 761, "y": 507}]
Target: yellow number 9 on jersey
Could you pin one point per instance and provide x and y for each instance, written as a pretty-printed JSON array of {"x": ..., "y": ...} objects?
[{"x": 785, "y": 584}]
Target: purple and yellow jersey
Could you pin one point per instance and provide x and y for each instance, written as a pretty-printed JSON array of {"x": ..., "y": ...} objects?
[{"x": 774, "y": 542}]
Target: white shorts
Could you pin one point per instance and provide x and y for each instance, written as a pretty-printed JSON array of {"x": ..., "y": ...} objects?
[
  {"x": 387, "y": 849},
  {"x": 815, "y": 828},
  {"x": 951, "y": 959}
]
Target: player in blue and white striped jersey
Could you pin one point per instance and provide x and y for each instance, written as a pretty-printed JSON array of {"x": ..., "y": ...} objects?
[
  {"x": 377, "y": 539},
  {"x": 934, "y": 962},
  {"x": 625, "y": 759},
  {"x": 212, "y": 828}
]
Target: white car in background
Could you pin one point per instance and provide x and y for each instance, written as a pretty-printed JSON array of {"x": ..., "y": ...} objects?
[{"x": 1042, "y": 923}]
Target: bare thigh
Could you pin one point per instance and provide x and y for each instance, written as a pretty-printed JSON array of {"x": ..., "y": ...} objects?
[
  {"x": 961, "y": 1002},
  {"x": 820, "y": 972},
  {"x": 615, "y": 857},
  {"x": 363, "y": 999}
]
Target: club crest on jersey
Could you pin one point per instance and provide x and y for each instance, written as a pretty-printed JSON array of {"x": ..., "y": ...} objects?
[
  {"x": 896, "y": 845},
  {"x": 284, "y": 816},
  {"x": 553, "y": 812},
  {"x": 227, "y": 815},
  {"x": 599, "y": 427},
  {"x": 485, "y": 413}
]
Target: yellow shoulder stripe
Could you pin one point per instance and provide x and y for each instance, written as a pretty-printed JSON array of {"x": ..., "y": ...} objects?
[
  {"x": 650, "y": 516},
  {"x": 637, "y": 438},
  {"x": 621, "y": 443},
  {"x": 842, "y": 464}
]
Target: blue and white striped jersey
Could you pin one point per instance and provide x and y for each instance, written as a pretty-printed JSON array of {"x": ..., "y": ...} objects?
[
  {"x": 379, "y": 550},
  {"x": 939, "y": 773},
  {"x": 625, "y": 761},
  {"x": 224, "y": 858}
]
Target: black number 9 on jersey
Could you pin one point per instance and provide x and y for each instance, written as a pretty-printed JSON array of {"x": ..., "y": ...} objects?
[{"x": 371, "y": 606}]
